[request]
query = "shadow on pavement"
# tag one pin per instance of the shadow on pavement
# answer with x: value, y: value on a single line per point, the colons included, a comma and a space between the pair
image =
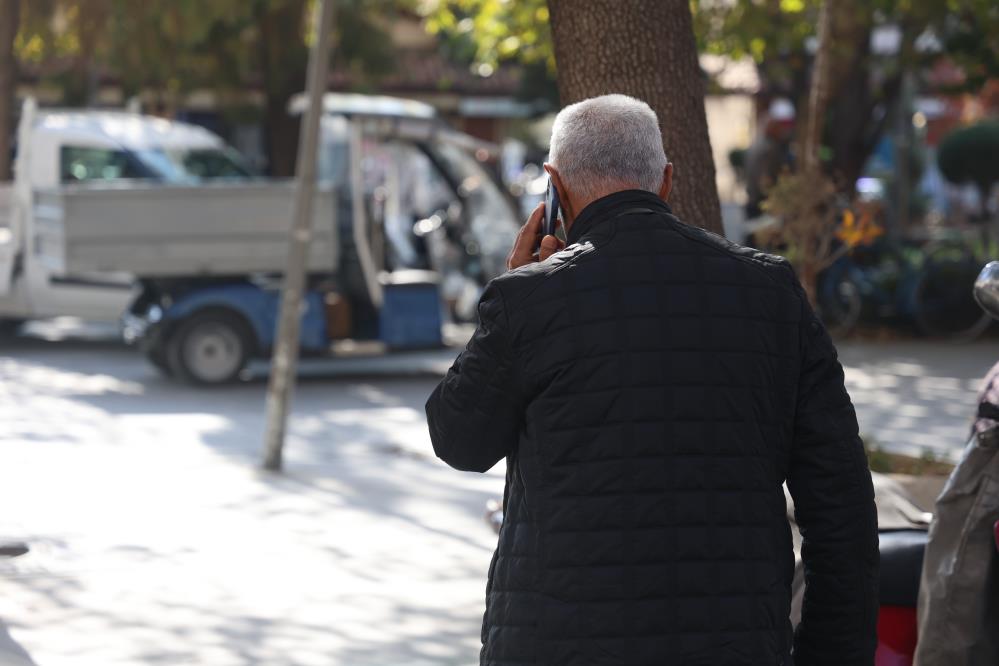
x: 156, y: 538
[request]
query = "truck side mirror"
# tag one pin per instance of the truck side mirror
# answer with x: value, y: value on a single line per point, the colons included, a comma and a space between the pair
x: 987, y: 288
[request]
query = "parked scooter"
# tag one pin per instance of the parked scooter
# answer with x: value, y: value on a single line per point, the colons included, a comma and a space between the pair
x: 902, y: 533
x: 959, y: 590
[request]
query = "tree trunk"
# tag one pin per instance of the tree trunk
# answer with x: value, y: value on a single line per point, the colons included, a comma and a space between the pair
x: 9, y: 21
x: 280, y: 135
x: 850, y: 120
x: 646, y: 49
x: 818, y: 96
x: 844, y: 31
x: 283, y: 57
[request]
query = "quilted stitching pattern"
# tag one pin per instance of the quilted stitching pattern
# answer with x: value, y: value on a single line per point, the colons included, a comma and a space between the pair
x: 652, y: 387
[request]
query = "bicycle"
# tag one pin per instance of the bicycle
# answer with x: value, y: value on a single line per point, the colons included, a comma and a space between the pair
x: 944, y: 304
x: 929, y: 287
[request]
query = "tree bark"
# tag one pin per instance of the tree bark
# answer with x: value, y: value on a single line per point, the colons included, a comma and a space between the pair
x: 851, y: 117
x: 646, y: 49
x: 281, y: 131
x: 283, y: 57
x: 844, y: 31
x: 9, y: 21
x: 818, y: 96
x: 809, y: 194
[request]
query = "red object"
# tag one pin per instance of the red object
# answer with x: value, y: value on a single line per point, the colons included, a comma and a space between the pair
x: 897, y: 627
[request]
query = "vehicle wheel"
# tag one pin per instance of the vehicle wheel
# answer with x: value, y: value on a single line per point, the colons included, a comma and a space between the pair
x: 10, y: 327
x: 840, y: 306
x: 945, y: 306
x: 158, y: 359
x: 209, y: 348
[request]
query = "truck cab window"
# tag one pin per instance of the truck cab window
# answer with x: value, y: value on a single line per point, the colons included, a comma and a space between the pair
x: 192, y: 165
x: 79, y: 164
x: 213, y: 163
x: 173, y: 165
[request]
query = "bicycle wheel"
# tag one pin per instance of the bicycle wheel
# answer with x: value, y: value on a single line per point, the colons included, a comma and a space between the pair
x: 839, y: 305
x: 945, y: 306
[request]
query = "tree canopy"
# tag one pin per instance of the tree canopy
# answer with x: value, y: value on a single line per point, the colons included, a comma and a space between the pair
x: 173, y: 47
x: 489, y: 31
x: 181, y: 45
x: 776, y: 34
x: 879, y: 45
x: 968, y: 155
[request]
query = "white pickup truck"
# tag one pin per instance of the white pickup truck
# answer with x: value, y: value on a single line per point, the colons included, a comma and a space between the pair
x: 408, y: 225
x: 70, y: 148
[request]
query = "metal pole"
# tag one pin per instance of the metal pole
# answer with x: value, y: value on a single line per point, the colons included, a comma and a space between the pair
x: 285, y: 359
x: 903, y: 148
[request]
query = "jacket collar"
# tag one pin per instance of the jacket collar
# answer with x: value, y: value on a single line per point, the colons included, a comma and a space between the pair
x: 611, y: 206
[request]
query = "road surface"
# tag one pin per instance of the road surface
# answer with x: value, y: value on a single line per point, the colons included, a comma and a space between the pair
x: 157, y: 540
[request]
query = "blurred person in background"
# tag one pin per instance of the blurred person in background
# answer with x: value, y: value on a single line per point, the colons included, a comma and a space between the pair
x: 769, y: 155
x: 651, y: 387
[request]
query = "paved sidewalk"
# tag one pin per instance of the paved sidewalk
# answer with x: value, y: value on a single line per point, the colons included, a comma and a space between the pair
x: 916, y: 397
x: 156, y: 540
x: 12, y: 654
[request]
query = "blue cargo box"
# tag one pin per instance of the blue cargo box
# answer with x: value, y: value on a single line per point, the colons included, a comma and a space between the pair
x: 411, y: 315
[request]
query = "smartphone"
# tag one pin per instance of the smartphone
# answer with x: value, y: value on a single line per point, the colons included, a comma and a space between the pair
x: 552, y: 211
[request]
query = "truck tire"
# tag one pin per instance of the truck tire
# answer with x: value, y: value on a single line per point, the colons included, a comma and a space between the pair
x: 158, y: 359
x: 10, y: 327
x: 209, y: 348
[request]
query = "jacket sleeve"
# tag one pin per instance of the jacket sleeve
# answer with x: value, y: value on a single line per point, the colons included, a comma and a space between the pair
x: 830, y: 483
x: 475, y: 413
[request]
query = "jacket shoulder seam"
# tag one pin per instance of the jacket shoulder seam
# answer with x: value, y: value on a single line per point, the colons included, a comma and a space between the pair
x: 760, y: 261
x: 580, y: 252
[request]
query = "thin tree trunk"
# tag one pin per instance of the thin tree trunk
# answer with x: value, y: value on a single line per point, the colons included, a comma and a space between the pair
x: 646, y: 49
x: 818, y: 97
x: 844, y: 31
x: 9, y: 21
x: 841, y: 24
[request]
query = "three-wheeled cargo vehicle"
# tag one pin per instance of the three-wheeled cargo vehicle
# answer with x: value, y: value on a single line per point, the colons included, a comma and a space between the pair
x: 57, y: 147
x: 408, y: 225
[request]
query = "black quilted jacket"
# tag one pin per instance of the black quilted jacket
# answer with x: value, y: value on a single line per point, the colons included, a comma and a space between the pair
x: 651, y: 387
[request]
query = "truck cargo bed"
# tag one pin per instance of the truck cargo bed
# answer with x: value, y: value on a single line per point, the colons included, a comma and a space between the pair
x: 162, y: 231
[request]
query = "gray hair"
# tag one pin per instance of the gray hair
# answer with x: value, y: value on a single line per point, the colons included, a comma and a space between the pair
x: 605, y: 141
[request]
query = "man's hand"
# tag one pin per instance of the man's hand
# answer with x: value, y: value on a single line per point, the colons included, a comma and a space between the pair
x: 527, y: 242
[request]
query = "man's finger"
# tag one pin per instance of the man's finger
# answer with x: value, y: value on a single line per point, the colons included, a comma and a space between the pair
x: 549, y: 246
x: 533, y: 225
x: 527, y: 239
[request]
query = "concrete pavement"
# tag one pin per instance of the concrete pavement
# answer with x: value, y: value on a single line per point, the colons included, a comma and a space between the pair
x: 156, y: 539
x: 914, y: 397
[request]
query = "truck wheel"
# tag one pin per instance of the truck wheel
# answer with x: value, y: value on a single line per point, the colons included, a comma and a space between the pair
x: 158, y: 359
x: 209, y: 348
x: 10, y: 327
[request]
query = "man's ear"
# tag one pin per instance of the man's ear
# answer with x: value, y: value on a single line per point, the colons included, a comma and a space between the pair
x: 667, y: 185
x: 568, y: 212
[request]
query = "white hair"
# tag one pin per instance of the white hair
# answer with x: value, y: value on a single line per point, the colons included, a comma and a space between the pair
x: 607, y: 141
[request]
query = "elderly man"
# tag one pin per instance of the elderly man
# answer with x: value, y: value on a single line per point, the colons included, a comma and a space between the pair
x: 651, y: 386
